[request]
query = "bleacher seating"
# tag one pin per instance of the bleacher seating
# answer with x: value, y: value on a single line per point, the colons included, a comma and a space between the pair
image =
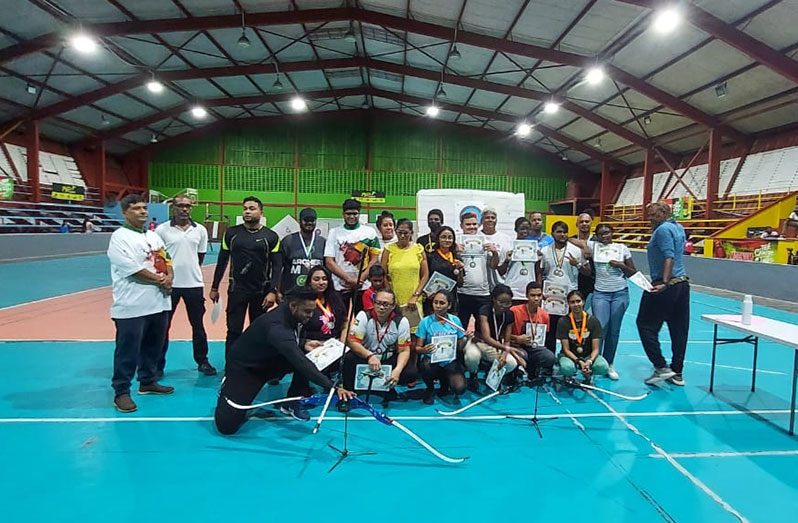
x: 28, y: 217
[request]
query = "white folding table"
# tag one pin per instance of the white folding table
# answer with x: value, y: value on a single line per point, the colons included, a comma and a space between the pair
x: 773, y: 330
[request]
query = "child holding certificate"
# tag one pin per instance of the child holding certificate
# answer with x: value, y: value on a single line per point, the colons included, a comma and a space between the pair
x: 440, y: 337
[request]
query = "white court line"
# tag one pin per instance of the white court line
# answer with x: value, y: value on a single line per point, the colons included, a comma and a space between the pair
x: 488, y: 417
x: 718, y: 365
x: 76, y: 293
x: 668, y: 342
x: 750, y: 453
x: 684, y: 472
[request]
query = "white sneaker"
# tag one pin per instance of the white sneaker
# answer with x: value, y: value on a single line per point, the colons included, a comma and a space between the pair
x: 612, y: 373
x: 659, y: 375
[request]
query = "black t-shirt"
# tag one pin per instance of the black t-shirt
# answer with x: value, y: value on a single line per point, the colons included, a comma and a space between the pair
x: 566, y: 331
x: 428, y: 242
x: 316, y: 329
x: 296, y: 262
x: 252, y: 256
x: 270, y: 340
x: 437, y: 264
x: 500, y: 321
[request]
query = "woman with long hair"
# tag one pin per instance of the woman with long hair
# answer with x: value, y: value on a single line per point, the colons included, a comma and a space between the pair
x: 580, y: 338
x: 329, y: 317
x: 445, y: 260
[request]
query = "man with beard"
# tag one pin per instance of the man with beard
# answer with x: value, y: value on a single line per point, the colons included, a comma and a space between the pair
x: 536, y: 230
x: 301, y: 251
x: 435, y: 222
x: 253, y: 251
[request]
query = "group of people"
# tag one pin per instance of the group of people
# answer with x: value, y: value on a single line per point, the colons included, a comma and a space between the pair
x: 368, y: 289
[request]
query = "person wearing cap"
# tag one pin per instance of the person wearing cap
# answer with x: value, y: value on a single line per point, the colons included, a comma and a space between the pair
x: 434, y: 222
x: 350, y: 252
x: 301, y: 251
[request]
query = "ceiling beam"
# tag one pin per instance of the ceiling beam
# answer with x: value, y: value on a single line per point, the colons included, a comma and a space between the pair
x: 380, y: 19
x: 740, y: 40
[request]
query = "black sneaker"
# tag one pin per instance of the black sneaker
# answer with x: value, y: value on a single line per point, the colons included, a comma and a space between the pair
x: 206, y: 368
x: 295, y: 410
x: 155, y: 388
x: 124, y: 403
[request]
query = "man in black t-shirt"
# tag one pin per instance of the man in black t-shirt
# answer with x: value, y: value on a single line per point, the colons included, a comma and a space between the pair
x: 268, y: 350
x: 435, y: 222
x: 253, y: 251
x: 301, y: 251
x: 580, y: 338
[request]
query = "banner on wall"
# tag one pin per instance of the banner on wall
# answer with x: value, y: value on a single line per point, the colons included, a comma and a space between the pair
x: 746, y: 250
x: 192, y: 194
x: 682, y: 207
x: 6, y: 188
x: 63, y: 191
x: 369, y: 196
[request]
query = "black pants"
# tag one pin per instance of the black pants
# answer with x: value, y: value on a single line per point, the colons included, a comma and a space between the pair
x: 671, y: 306
x: 451, y: 376
x: 139, y: 342
x: 194, y: 299
x: 238, y: 303
x: 468, y: 306
x: 351, y: 360
x: 551, y: 334
x: 242, y: 385
x: 538, y: 358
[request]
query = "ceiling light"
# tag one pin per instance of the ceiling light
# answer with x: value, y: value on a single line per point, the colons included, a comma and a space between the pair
x: 433, y: 111
x: 564, y: 158
x: 243, y: 41
x: 154, y: 86
x: 31, y: 89
x: 721, y: 90
x: 551, y: 107
x: 154, y: 139
x: 277, y: 84
x: 666, y: 20
x: 454, y: 54
x: 523, y: 130
x: 199, y: 111
x: 365, y: 104
x: 104, y: 121
x: 298, y: 104
x: 598, y: 143
x: 595, y: 75
x: 441, y: 93
x: 647, y: 120
x: 350, y: 35
x: 83, y: 43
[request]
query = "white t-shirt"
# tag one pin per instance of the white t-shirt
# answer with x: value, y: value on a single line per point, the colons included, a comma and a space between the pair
x: 554, y: 258
x: 131, y: 251
x: 347, y: 246
x: 184, y: 246
x: 475, y: 276
x: 503, y: 245
x: 609, y: 278
x: 518, y: 275
x: 382, y: 340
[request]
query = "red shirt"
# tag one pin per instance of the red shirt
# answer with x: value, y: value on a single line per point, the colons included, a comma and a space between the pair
x: 521, y: 317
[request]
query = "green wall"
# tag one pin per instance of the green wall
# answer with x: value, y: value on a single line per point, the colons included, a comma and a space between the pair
x: 299, y: 164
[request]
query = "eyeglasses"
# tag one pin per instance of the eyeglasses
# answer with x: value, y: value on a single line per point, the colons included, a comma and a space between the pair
x: 183, y: 205
x: 403, y: 233
x: 383, y: 304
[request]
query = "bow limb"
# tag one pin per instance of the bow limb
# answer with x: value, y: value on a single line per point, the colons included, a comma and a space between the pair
x: 426, y: 445
x: 260, y: 405
x: 324, y: 410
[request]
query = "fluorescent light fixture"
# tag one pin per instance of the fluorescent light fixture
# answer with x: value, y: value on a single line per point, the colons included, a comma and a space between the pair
x: 154, y: 86
x: 298, y: 104
x: 595, y: 75
x: 523, y: 130
x: 666, y: 20
x: 83, y: 43
x: 433, y: 111
x: 551, y: 107
x: 31, y: 89
x: 199, y: 111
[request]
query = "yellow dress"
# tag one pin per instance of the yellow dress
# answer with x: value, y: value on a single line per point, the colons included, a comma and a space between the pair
x: 404, y: 270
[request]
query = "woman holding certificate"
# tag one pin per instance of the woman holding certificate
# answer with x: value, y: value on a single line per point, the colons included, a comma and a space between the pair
x: 614, y: 264
x: 405, y: 264
x: 446, y: 262
x: 520, y: 265
x: 580, y: 336
x: 440, y: 337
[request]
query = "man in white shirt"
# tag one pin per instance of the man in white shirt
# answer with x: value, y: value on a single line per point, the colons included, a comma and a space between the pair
x: 502, y: 242
x: 345, y: 250
x: 141, y: 276
x: 475, y: 291
x: 187, y: 242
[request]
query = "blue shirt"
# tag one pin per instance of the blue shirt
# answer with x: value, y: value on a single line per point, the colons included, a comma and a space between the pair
x: 543, y: 240
x: 431, y: 326
x: 667, y: 241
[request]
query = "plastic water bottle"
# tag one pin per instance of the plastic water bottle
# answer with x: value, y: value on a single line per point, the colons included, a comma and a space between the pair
x: 748, y: 309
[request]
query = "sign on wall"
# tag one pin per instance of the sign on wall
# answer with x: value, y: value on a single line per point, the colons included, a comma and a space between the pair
x: 369, y: 196
x: 6, y: 188
x: 682, y: 207
x: 745, y: 250
x: 63, y: 191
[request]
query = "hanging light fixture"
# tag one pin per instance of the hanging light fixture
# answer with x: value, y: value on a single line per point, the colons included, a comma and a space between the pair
x: 523, y: 130
x: 199, y: 112
x: 83, y: 42
x: 441, y: 92
x: 243, y: 41
x: 350, y: 35
x: 433, y: 111
x: 298, y: 104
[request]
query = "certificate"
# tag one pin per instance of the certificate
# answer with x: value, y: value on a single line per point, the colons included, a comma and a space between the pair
x: 556, y: 306
x: 323, y: 356
x: 473, y: 245
x: 445, y: 348
x: 538, y: 337
x: 438, y: 282
x: 641, y: 281
x: 363, y: 375
x: 607, y: 253
x: 495, y: 375
x: 525, y: 250
x: 554, y: 290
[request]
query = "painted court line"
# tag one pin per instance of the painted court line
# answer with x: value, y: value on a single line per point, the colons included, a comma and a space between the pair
x: 718, y: 365
x: 488, y: 417
x: 43, y: 300
x: 750, y: 453
x: 684, y: 472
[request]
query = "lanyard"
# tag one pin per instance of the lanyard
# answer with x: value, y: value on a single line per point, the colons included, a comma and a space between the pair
x: 449, y: 257
x: 580, y: 334
x: 307, y: 248
x: 496, y: 330
x: 384, y: 332
x: 325, y: 311
x: 534, y: 324
x: 559, y: 263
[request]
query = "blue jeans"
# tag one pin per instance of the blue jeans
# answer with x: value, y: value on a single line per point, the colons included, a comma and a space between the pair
x: 139, y: 343
x: 609, y: 308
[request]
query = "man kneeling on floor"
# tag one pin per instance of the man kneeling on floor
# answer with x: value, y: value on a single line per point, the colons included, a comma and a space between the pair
x: 267, y: 350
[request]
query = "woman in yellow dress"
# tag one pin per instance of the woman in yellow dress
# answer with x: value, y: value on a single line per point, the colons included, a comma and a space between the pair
x: 405, y: 264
